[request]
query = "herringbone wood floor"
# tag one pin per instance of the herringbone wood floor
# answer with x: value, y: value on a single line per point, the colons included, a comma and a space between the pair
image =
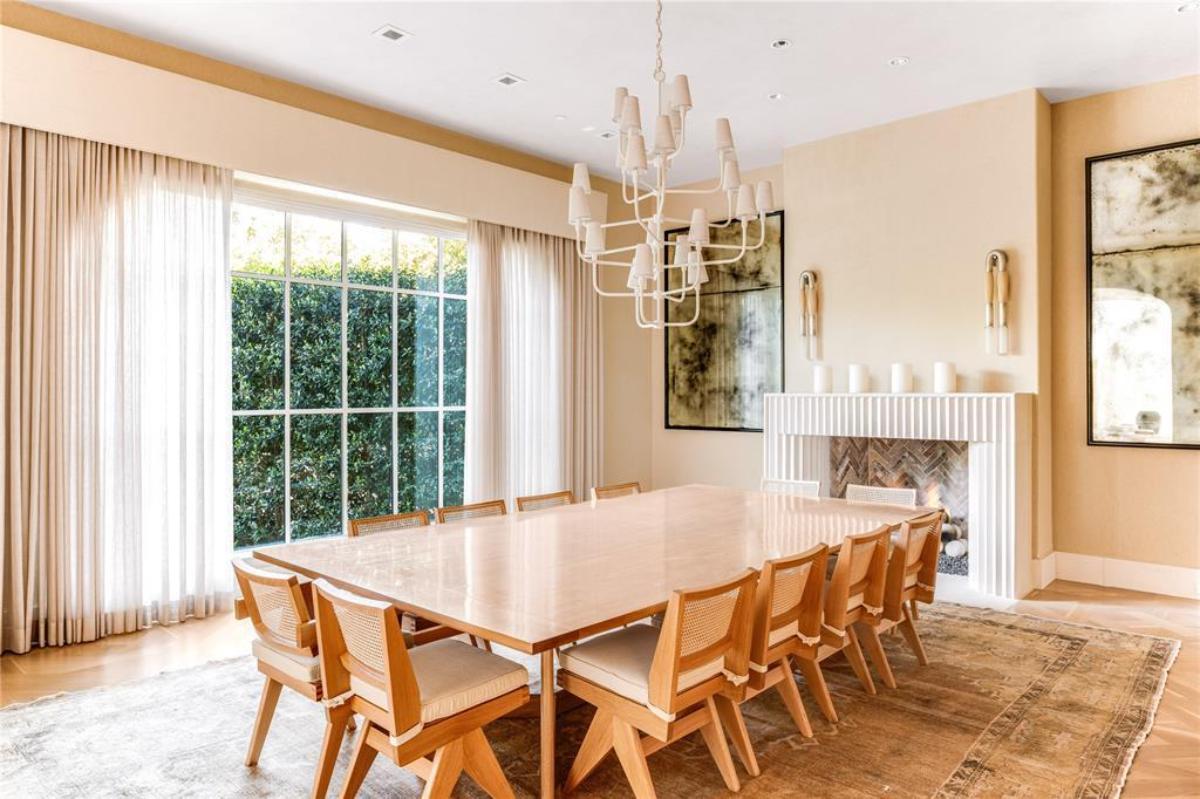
x: 1168, y: 765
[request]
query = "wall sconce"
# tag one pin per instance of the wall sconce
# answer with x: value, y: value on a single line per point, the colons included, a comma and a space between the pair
x: 995, y: 313
x: 810, y: 304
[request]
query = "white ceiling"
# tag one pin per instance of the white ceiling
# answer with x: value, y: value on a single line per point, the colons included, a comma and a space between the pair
x: 835, y: 76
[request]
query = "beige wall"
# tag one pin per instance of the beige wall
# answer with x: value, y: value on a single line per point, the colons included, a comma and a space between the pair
x: 695, y: 456
x: 1116, y: 502
x: 897, y: 220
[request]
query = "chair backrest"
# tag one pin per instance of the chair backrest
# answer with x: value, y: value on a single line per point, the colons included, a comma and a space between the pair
x: 477, y: 510
x: 616, y: 490
x: 788, y: 602
x: 276, y: 607
x: 912, y: 567
x: 701, y: 626
x: 360, y: 639
x: 384, y: 524
x: 881, y: 495
x: 856, y: 587
x: 542, y: 501
x: 799, y: 488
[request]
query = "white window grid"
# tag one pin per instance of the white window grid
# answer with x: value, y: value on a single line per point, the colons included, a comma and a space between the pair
x: 287, y: 279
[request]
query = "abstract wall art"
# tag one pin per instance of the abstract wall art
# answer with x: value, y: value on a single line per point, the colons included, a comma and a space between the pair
x: 1143, y: 273
x: 718, y: 369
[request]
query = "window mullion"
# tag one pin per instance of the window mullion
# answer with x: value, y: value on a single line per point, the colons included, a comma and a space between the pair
x: 287, y: 378
x: 441, y: 467
x: 345, y: 389
x: 392, y: 344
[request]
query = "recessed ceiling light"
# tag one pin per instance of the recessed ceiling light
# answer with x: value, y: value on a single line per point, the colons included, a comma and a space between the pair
x: 899, y: 61
x: 1192, y: 6
x: 393, y: 34
x: 775, y: 96
x: 508, y: 79
x: 560, y: 117
x: 588, y: 128
x: 607, y: 134
x: 781, y: 44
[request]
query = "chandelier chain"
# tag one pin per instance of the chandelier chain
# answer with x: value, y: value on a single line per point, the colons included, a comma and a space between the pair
x: 659, y: 75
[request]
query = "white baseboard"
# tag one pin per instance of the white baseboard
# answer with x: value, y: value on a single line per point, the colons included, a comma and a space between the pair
x: 1154, y: 578
x: 1044, y: 570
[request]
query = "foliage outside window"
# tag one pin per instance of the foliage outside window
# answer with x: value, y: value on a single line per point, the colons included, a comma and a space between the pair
x: 349, y: 372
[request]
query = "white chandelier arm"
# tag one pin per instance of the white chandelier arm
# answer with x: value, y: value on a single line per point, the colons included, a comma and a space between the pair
x: 728, y: 213
x: 602, y: 292
x: 695, y: 314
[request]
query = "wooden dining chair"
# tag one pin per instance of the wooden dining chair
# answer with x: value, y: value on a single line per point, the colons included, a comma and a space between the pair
x: 881, y: 495
x: 854, y: 590
x: 417, y: 631
x: 799, y: 488
x: 425, y: 708
x: 385, y: 524
x: 787, y: 621
x: 278, y: 605
x: 651, y: 687
x: 543, y: 501
x: 616, y: 490
x: 477, y: 510
x: 911, y: 574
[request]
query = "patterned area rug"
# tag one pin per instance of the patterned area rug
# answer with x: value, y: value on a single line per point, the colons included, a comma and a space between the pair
x: 1010, y: 706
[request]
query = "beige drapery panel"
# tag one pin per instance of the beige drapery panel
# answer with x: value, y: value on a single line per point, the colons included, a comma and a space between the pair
x: 115, y: 486
x: 533, y: 366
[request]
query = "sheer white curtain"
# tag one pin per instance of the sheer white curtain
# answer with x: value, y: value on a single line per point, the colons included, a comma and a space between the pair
x: 533, y: 366
x: 117, y: 487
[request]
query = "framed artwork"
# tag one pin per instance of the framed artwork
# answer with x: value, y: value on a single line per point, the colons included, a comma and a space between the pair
x: 1143, y: 297
x: 718, y: 369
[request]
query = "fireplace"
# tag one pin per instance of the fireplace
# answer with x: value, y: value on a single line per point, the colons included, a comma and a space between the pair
x: 998, y: 433
x: 937, y: 470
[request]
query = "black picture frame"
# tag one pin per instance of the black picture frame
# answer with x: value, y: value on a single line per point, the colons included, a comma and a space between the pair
x: 667, y: 425
x: 1088, y: 258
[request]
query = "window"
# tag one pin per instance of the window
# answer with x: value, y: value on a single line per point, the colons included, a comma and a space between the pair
x: 349, y: 370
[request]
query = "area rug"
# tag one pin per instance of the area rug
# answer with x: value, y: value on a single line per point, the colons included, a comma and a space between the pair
x: 1009, y: 705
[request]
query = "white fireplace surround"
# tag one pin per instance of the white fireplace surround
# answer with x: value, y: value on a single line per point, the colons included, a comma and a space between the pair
x: 998, y: 429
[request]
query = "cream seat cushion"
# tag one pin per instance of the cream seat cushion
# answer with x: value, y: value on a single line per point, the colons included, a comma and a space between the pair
x: 620, y: 661
x: 300, y: 667
x: 452, y: 676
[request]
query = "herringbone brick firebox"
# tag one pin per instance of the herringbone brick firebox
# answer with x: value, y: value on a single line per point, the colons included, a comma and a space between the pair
x: 937, y: 469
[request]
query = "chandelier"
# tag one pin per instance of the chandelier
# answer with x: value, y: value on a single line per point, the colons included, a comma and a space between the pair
x: 660, y: 270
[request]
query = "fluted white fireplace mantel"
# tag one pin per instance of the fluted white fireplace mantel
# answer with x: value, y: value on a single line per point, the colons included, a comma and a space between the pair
x: 998, y: 429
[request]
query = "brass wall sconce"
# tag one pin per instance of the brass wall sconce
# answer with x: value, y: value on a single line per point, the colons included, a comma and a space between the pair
x: 995, y: 313
x: 810, y: 304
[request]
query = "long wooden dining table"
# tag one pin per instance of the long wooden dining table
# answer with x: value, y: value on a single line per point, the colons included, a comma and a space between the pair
x: 536, y: 581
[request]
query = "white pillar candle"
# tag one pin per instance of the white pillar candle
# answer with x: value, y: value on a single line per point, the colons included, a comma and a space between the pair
x: 822, y: 378
x: 859, y: 378
x: 902, y: 378
x: 945, y: 380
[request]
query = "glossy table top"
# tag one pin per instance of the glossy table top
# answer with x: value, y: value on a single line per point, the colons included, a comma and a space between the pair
x: 537, y: 580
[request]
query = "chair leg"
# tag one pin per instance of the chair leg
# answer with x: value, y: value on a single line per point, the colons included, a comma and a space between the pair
x: 714, y: 736
x: 816, y: 684
x: 447, y: 766
x: 262, y: 722
x: 914, y: 640
x: 734, y: 723
x: 628, y: 743
x: 480, y: 762
x: 597, y: 743
x: 360, y: 763
x: 854, y: 654
x: 878, y: 656
x: 791, y: 699
x: 336, y: 721
x: 912, y: 608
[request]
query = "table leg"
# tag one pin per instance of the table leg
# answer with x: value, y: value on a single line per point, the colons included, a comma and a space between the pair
x: 548, y: 725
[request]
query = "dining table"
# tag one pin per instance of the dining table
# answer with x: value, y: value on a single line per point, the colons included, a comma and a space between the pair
x: 539, y: 580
